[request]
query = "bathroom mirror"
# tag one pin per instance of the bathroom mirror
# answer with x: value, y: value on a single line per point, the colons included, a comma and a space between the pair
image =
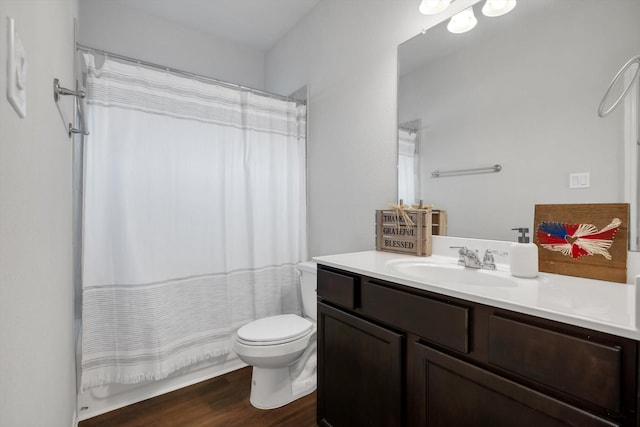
x: 521, y: 91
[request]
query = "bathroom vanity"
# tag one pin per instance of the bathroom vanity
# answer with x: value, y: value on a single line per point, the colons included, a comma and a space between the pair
x: 398, y: 348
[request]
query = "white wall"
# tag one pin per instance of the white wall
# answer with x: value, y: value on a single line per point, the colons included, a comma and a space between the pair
x: 37, y: 368
x: 119, y: 29
x: 347, y: 52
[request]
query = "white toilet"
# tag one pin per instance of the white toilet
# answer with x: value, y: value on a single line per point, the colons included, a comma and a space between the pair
x: 282, y: 349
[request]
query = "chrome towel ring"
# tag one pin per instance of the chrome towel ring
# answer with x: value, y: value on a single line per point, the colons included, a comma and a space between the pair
x: 601, y: 111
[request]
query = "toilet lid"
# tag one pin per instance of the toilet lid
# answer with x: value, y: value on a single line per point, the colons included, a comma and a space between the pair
x: 275, y: 328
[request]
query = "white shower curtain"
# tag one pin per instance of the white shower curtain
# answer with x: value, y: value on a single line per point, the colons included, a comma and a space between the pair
x: 408, y: 183
x: 194, y: 219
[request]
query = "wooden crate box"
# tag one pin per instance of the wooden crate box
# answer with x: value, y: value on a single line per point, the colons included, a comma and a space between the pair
x: 393, y: 234
x: 439, y: 222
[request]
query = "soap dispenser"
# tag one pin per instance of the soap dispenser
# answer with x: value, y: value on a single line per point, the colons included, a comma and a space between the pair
x: 523, y: 256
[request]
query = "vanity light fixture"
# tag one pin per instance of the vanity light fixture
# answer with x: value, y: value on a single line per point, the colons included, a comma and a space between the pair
x: 494, y: 8
x: 431, y: 7
x: 462, y: 22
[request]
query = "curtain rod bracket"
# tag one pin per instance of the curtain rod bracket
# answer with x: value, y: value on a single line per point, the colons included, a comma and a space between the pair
x: 73, y: 131
x: 59, y: 90
x: 78, y: 94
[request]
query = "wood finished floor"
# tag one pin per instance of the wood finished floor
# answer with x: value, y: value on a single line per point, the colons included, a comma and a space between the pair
x: 221, y: 401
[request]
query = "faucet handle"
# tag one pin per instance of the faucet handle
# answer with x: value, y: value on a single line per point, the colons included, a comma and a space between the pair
x: 488, y: 261
x: 462, y: 251
x: 490, y: 252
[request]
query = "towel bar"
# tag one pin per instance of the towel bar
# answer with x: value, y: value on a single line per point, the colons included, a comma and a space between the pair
x: 471, y: 171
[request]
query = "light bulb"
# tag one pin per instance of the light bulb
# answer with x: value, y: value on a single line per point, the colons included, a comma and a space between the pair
x: 494, y: 8
x: 462, y: 22
x: 431, y: 7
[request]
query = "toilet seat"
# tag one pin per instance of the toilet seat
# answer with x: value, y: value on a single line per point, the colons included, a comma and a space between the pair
x: 274, y: 330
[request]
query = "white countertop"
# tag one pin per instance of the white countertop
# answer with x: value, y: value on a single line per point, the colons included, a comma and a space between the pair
x: 594, y: 304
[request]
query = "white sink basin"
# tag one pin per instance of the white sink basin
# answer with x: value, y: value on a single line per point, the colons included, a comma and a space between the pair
x: 447, y: 272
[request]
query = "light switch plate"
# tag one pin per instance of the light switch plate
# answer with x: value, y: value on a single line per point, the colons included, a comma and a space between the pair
x: 579, y: 180
x: 16, y: 71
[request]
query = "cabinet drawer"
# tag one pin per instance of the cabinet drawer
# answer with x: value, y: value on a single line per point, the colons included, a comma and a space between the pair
x: 456, y: 393
x: 337, y: 288
x: 582, y: 368
x: 439, y: 322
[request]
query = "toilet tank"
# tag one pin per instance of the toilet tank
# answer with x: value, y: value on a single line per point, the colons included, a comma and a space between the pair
x: 308, y: 285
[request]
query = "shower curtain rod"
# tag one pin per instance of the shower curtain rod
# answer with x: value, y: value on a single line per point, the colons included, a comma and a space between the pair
x: 188, y: 74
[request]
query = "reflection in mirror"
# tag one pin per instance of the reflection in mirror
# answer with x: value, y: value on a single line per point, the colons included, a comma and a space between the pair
x: 408, y: 164
x: 521, y: 90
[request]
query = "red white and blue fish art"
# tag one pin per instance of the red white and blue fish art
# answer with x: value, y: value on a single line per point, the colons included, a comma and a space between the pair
x: 576, y: 240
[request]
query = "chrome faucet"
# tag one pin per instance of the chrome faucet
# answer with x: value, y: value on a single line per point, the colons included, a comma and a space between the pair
x: 467, y: 257
x: 470, y: 258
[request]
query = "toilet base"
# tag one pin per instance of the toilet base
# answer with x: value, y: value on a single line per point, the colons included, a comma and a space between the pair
x: 272, y: 388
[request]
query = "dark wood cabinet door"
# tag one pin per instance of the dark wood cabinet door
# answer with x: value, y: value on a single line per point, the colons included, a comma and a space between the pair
x: 450, y: 392
x: 589, y: 370
x: 359, y: 372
